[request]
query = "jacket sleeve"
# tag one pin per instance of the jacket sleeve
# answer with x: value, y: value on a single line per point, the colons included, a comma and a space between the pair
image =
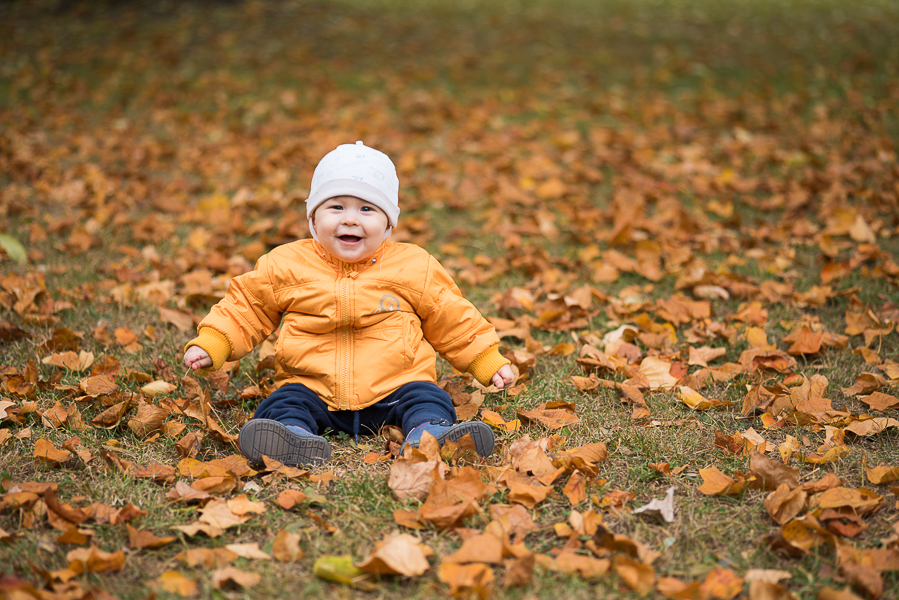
x: 246, y: 316
x: 456, y: 329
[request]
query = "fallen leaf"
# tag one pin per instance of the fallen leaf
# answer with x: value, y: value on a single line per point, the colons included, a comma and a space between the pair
x: 175, y: 582
x: 467, y: 580
x: 249, y: 550
x: 881, y: 474
x: 784, y: 503
x: 158, y: 388
x: 636, y: 575
x: 286, y: 547
x: 722, y: 584
x: 879, y: 401
x: 290, y: 498
x: 716, y: 483
x: 663, y: 509
x: 480, y: 548
x: 575, y: 490
x: 50, y: 454
x: 148, y: 419
x: 94, y: 560
x: 340, y: 569
x: 230, y: 577
x: 145, y: 539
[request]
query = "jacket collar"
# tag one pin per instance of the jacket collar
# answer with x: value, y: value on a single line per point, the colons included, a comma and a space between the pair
x: 338, y: 265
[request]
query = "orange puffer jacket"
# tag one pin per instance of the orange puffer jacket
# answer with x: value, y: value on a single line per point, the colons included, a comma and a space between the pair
x: 352, y: 333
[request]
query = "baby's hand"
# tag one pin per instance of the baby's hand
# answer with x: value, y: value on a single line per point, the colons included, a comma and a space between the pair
x: 197, y: 358
x: 503, y: 377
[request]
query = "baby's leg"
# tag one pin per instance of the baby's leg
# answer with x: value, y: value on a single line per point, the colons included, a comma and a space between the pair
x: 284, y: 428
x: 422, y: 406
x: 415, y: 403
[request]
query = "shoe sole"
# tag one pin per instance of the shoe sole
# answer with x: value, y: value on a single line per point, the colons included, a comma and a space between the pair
x: 481, y: 435
x: 276, y: 441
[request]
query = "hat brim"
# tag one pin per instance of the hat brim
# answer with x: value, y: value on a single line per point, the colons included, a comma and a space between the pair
x: 358, y: 189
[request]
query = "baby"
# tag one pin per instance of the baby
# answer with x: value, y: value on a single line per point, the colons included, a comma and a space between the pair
x: 361, y: 319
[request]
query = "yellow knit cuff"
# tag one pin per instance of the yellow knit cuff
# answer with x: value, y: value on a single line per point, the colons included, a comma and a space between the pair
x: 487, y: 363
x: 215, y: 344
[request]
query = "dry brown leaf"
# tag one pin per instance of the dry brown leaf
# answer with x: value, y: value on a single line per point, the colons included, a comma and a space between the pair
x: 175, y: 582
x: 94, y: 560
x: 494, y: 419
x: 716, y: 483
x: 636, y: 575
x: 770, y: 474
x: 576, y: 488
x: 209, y: 558
x: 249, y: 550
x: 880, y: 401
x: 158, y: 388
x: 50, y: 454
x: 148, y: 419
x: 286, y: 547
x: 881, y: 474
x: 232, y: 578
x: 397, y: 554
x: 290, y: 498
x: 569, y: 563
x: 145, y: 539
x: 467, y: 581
x: 722, y: 584
x: 785, y: 503
x: 661, y: 508
x: 479, y: 548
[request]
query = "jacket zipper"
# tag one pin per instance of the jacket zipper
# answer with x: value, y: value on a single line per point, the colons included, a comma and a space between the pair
x: 345, y: 341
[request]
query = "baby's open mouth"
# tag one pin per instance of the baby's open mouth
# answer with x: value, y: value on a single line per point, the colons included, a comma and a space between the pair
x: 351, y: 239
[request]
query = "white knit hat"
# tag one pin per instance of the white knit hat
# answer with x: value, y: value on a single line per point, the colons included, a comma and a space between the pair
x: 356, y: 170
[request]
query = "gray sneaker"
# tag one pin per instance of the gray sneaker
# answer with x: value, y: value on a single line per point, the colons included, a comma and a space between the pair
x: 292, y: 446
x: 443, y: 430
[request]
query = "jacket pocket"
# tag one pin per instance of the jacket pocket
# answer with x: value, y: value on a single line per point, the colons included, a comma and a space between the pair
x: 302, y: 353
x: 412, y: 337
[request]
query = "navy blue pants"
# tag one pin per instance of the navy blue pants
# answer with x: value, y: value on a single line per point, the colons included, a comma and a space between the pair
x: 407, y: 407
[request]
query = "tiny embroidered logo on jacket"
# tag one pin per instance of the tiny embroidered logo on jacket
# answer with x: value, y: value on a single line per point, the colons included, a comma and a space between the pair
x: 389, y: 303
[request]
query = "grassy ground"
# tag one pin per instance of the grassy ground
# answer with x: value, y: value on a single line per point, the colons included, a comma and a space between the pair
x: 150, y: 152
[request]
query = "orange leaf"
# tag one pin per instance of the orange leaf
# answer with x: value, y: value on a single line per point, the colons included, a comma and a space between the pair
x: 467, y: 580
x: 50, y: 454
x: 232, y: 577
x: 145, y: 539
x: 397, y: 554
x: 94, y: 560
x: 175, y: 582
x: 880, y: 401
x: 290, y: 498
x: 575, y: 490
x: 882, y: 474
x: 286, y: 547
x: 716, y: 483
x: 569, y: 563
x: 480, y: 548
x: 636, y: 575
x: 495, y: 420
x: 553, y: 418
x: 722, y: 584
x: 248, y: 550
x: 784, y: 503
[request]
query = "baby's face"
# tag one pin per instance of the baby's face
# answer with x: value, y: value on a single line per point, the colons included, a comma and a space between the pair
x: 349, y: 228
